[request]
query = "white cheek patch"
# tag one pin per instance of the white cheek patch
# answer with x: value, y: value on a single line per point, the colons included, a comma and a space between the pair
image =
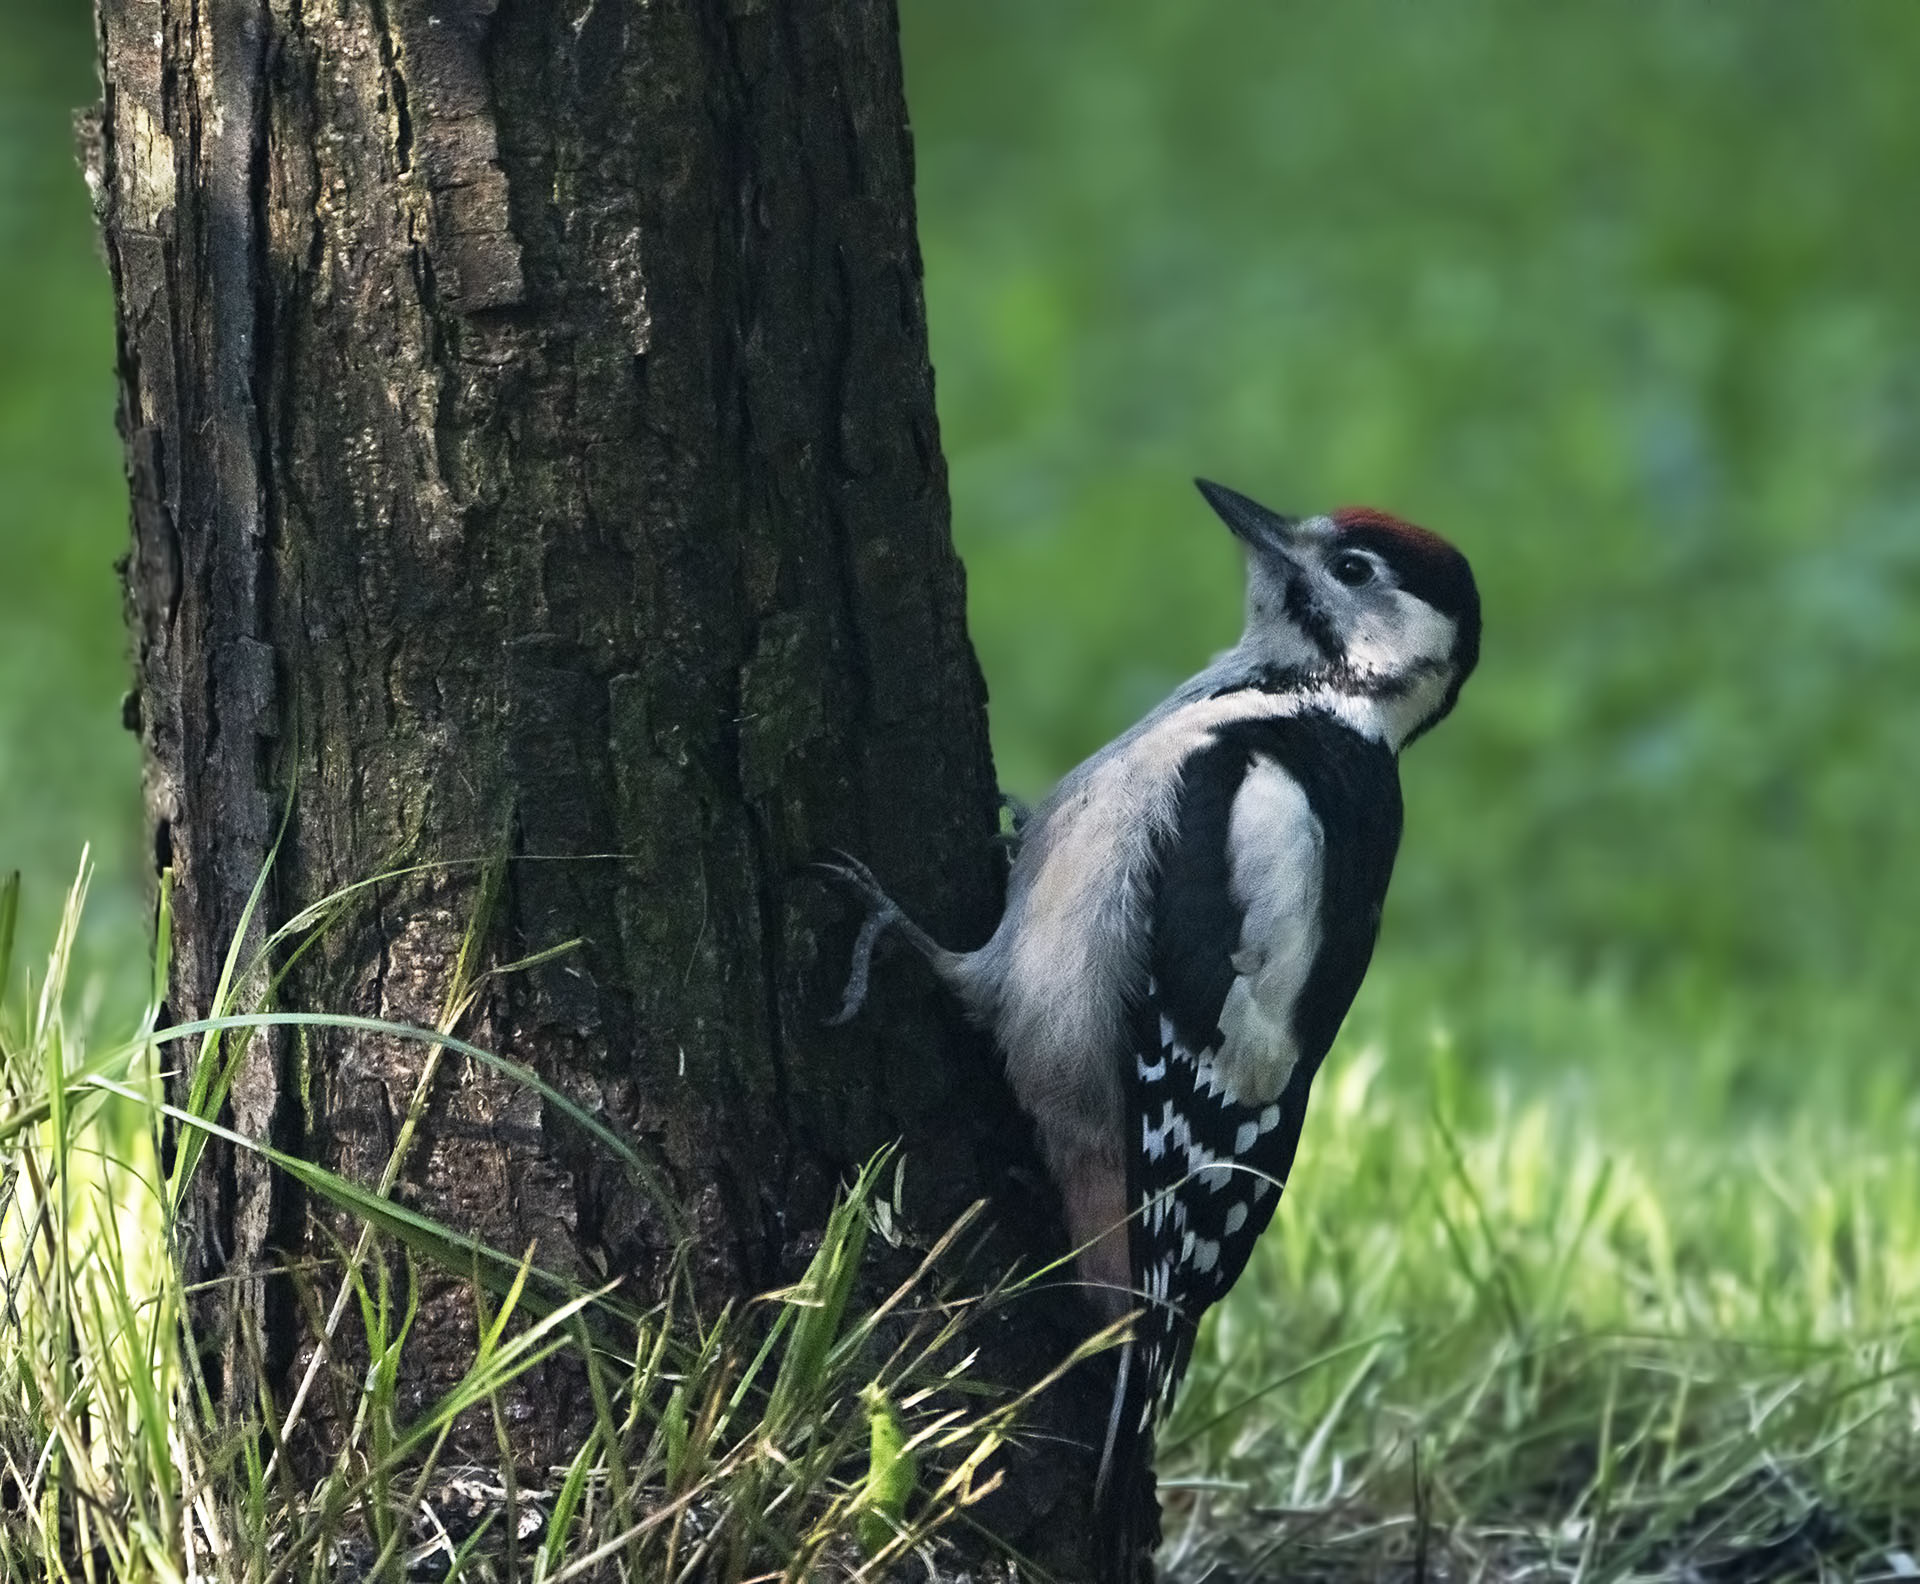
x: 1399, y: 635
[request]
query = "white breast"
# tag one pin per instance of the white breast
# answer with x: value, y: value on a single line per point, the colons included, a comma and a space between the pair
x: 1275, y: 849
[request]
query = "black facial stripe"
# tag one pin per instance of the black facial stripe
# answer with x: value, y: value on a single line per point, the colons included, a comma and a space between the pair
x: 1304, y: 611
x: 1339, y: 677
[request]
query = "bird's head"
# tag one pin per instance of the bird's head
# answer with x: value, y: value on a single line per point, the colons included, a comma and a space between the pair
x: 1360, y: 603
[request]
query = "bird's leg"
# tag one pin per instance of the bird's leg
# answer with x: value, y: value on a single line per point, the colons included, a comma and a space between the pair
x: 857, y: 880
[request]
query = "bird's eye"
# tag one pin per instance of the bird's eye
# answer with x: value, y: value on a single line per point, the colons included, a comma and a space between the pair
x: 1352, y: 569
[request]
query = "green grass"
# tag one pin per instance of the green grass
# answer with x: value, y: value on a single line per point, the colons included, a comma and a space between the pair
x: 1618, y: 1340
x: 800, y: 1435
x: 1522, y: 1330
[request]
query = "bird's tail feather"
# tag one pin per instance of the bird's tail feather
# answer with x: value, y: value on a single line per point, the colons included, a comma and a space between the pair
x: 1125, y: 1507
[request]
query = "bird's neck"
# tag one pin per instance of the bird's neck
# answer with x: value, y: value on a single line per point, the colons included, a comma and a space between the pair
x: 1390, y: 709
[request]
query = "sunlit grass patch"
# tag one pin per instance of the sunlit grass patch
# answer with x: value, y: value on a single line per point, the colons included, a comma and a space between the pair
x: 1567, y: 1337
x: 806, y: 1433
x: 88, y: 1364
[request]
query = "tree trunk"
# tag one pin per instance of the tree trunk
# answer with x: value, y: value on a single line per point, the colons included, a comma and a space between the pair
x: 532, y: 449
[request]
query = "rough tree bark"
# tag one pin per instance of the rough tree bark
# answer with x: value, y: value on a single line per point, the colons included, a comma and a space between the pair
x: 531, y: 442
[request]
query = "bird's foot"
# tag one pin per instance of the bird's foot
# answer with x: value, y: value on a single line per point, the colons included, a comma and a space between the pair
x: 857, y: 880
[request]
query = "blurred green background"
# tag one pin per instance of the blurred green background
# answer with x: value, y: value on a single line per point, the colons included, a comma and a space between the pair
x: 1622, y: 299
x: 69, y: 774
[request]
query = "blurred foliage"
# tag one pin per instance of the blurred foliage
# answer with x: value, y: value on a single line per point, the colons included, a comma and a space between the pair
x: 1622, y: 299
x: 69, y: 774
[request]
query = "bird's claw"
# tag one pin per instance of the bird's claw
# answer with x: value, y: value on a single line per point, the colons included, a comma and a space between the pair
x: 857, y: 879
x: 853, y: 877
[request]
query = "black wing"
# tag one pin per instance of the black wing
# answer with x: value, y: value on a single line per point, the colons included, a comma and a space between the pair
x: 1208, y: 1170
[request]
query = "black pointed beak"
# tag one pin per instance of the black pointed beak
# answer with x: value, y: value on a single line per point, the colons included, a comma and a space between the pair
x: 1252, y: 523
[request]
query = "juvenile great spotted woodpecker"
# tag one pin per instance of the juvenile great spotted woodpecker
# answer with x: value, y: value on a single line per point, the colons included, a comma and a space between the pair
x: 1188, y: 919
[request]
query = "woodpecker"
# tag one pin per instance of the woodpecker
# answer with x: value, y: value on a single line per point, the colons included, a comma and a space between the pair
x: 1189, y: 916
